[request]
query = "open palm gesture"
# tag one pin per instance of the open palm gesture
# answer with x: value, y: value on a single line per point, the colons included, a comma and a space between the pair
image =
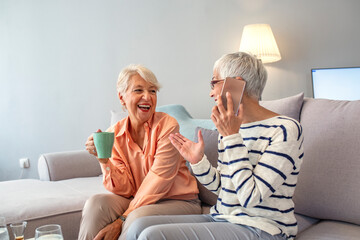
x: 191, y: 151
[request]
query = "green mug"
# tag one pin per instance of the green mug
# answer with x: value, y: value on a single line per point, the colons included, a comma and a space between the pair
x: 104, y: 142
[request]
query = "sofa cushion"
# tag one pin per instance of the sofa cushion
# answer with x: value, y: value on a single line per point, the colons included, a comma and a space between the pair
x: 66, y: 165
x: 45, y: 198
x: 187, y: 123
x: 290, y: 106
x: 330, y: 230
x: 210, y: 139
x: 328, y: 184
x: 304, y: 222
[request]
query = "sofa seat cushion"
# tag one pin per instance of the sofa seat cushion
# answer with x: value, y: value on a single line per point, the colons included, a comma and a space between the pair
x: 331, y: 230
x: 29, y: 199
x: 328, y: 183
x: 304, y: 222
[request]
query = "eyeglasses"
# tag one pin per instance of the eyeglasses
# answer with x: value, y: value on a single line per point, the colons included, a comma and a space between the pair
x: 215, y: 81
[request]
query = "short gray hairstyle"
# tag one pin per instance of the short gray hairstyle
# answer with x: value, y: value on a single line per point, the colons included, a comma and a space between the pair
x: 246, y: 66
x: 131, y: 70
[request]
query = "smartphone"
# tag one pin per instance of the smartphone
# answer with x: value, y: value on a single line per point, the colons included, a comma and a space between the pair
x: 236, y: 88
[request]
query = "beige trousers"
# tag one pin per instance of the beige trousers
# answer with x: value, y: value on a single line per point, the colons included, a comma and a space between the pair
x: 102, y: 209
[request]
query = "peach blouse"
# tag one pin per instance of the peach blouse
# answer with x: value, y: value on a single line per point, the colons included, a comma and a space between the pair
x: 155, y: 172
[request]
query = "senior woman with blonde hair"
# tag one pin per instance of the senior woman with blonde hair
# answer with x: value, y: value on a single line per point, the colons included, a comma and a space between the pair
x: 260, y: 153
x: 146, y: 174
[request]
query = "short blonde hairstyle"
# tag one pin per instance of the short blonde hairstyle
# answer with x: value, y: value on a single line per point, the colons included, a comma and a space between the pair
x: 131, y: 70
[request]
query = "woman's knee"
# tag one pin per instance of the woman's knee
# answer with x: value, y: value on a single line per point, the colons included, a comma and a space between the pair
x: 138, y: 226
x: 151, y: 232
x: 96, y: 204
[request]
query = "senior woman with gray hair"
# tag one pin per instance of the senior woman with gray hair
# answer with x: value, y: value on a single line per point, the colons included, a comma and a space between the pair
x: 146, y: 174
x: 260, y: 153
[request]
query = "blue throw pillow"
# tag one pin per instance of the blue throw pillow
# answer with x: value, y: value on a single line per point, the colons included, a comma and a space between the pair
x: 187, y: 123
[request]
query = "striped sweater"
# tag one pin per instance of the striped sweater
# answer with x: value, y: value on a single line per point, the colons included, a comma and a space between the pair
x: 256, y: 175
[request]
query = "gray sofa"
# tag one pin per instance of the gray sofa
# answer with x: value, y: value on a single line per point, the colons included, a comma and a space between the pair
x: 325, y: 198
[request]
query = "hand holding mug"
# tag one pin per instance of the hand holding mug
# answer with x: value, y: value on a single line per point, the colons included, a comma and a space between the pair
x: 103, y: 142
x: 90, y: 146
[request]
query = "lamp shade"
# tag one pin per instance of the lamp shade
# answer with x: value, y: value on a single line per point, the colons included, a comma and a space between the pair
x: 259, y: 40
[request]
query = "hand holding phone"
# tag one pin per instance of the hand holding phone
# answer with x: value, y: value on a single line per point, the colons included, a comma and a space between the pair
x: 236, y: 88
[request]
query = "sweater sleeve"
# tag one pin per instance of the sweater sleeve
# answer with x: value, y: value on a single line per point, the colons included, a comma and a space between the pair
x: 207, y: 175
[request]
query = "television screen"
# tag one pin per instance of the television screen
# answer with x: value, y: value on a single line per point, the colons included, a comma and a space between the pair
x: 336, y: 83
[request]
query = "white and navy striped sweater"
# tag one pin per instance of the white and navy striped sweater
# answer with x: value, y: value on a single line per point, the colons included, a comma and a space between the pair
x: 256, y: 175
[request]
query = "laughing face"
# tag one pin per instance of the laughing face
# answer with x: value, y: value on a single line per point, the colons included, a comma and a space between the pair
x: 139, y: 99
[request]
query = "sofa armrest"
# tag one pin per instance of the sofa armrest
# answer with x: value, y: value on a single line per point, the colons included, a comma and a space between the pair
x: 65, y: 165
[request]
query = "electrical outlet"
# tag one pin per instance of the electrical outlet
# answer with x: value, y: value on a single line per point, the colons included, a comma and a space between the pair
x: 24, y: 162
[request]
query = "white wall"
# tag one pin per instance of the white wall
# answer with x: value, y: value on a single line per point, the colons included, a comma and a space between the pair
x: 59, y: 60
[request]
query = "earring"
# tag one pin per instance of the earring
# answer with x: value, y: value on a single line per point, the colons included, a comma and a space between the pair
x: 123, y: 106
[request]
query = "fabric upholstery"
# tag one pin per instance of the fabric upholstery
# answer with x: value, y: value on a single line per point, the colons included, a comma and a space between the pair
x: 41, y: 199
x: 330, y: 230
x: 210, y: 139
x: 328, y: 183
x: 66, y: 165
x: 290, y: 106
x: 187, y: 123
x: 304, y: 222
